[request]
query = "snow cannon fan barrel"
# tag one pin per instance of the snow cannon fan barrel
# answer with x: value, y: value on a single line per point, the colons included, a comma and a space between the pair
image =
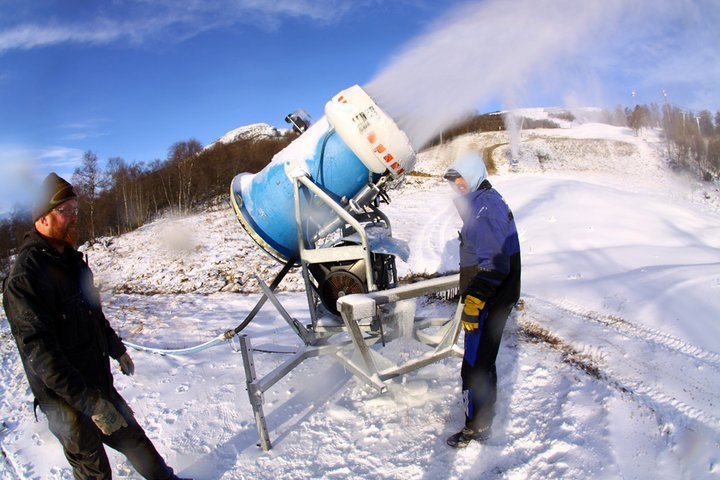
x: 354, y: 142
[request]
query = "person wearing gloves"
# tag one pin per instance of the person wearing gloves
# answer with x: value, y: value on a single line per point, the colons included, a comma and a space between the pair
x: 65, y: 343
x: 489, y: 288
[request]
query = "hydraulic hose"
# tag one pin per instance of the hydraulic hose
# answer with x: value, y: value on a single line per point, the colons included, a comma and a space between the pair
x: 227, y: 335
x: 180, y: 351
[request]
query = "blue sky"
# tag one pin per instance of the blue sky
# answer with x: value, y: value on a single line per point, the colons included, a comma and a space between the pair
x: 128, y: 78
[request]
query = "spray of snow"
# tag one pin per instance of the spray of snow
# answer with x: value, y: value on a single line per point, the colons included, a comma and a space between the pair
x: 513, y: 125
x: 492, y: 50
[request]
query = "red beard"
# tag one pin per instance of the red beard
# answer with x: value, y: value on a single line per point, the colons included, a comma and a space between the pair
x: 71, y: 236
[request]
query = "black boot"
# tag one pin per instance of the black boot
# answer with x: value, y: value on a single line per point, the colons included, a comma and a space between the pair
x: 464, y: 437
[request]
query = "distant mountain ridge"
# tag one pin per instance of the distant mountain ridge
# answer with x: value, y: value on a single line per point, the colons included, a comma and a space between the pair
x: 255, y: 131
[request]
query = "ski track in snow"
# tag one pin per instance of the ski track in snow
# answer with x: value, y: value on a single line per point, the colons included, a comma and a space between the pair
x: 639, y: 361
x: 621, y: 393
x: 635, y: 330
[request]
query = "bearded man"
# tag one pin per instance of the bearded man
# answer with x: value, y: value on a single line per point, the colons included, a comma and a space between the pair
x: 65, y: 343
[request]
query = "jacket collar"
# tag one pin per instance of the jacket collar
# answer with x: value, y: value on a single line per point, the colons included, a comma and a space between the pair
x: 485, y: 185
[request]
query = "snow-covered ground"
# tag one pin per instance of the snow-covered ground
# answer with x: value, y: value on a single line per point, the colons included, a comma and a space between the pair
x: 611, y: 369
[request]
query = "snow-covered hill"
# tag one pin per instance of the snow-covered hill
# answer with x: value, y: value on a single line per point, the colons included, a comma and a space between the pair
x: 611, y: 370
x: 209, y: 252
x: 256, y: 131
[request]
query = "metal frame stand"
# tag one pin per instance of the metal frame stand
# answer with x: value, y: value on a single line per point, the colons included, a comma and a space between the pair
x: 375, y: 368
x: 311, y: 255
x: 256, y: 395
x: 358, y: 311
x: 366, y: 318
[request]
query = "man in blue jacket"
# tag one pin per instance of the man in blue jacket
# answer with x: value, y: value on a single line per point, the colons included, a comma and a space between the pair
x: 489, y: 285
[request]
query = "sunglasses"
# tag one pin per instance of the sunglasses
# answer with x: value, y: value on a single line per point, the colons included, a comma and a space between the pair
x: 67, y: 211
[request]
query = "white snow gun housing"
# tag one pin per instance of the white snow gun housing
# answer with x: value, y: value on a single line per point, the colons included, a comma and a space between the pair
x: 316, y: 205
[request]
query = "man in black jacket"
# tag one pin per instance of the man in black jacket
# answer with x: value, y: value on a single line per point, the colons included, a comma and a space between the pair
x: 65, y: 343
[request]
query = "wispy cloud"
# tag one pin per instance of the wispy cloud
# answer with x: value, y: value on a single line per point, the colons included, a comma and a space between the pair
x: 28, y: 36
x: 15, y: 159
x: 59, y: 157
x: 83, y: 130
x: 84, y: 135
x: 137, y: 21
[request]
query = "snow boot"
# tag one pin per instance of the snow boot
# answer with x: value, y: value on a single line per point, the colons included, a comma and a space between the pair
x: 464, y: 437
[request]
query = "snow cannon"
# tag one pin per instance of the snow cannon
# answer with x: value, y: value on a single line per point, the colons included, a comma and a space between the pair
x: 344, y: 153
x: 331, y: 179
x: 317, y: 204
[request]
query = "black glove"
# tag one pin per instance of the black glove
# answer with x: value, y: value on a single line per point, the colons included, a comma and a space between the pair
x: 126, y: 364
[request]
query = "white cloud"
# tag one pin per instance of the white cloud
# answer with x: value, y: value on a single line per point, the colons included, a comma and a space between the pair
x: 83, y: 130
x: 58, y: 157
x: 139, y: 20
x: 15, y: 161
x: 28, y: 36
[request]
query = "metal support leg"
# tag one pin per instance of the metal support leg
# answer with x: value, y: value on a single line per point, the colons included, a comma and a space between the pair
x: 307, y: 337
x: 368, y: 371
x: 255, y: 394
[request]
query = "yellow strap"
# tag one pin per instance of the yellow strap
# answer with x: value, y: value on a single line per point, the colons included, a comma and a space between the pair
x: 470, y: 326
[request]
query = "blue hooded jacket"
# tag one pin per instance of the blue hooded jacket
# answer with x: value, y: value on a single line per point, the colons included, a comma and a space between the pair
x: 489, y: 243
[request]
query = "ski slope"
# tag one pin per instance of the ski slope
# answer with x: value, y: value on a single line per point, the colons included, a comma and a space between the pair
x: 611, y: 368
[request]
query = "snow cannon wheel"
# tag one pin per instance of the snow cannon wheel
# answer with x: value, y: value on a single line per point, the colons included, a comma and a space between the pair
x: 338, y: 284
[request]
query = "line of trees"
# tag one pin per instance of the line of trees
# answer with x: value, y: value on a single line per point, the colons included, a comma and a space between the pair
x: 123, y: 196
x: 692, y: 139
x: 489, y: 122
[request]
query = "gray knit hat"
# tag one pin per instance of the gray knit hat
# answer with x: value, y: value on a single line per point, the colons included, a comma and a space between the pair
x: 53, y: 191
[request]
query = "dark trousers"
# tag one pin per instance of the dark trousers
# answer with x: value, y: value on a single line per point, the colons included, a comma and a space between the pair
x: 83, y: 443
x: 479, y: 374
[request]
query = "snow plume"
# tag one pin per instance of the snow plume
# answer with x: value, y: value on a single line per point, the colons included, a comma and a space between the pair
x: 477, y: 52
x: 513, y: 125
x: 492, y: 50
